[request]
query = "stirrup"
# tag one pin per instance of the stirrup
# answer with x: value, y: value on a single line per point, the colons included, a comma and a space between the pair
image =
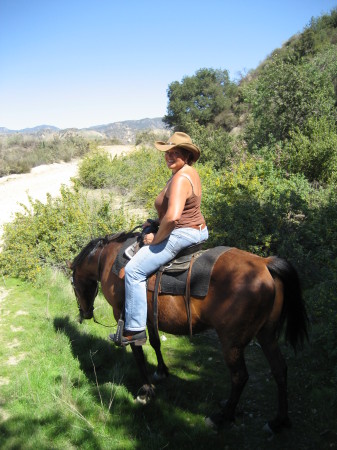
x: 117, y: 337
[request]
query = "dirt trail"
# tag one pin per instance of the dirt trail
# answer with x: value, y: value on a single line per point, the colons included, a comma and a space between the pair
x: 15, y: 189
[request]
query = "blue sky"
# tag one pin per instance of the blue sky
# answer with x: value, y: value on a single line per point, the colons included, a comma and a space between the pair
x: 79, y: 63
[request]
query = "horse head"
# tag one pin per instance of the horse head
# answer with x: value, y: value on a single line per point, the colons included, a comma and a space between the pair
x: 85, y: 292
x: 85, y: 277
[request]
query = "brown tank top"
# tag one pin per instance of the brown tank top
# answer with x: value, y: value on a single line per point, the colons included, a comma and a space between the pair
x: 191, y: 215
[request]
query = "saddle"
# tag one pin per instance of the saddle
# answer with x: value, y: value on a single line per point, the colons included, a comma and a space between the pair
x: 188, y: 274
x: 181, y: 263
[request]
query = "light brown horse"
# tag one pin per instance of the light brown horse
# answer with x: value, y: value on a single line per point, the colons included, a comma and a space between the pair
x: 248, y: 297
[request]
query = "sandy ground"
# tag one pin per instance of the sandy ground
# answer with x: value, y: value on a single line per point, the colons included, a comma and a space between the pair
x: 15, y: 189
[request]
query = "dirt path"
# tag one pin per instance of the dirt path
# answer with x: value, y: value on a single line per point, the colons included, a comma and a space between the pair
x: 15, y: 189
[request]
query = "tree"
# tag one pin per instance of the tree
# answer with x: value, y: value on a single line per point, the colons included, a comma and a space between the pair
x: 201, y: 98
x: 286, y: 95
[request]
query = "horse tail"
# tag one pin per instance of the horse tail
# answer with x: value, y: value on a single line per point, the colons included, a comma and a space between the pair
x: 294, y: 311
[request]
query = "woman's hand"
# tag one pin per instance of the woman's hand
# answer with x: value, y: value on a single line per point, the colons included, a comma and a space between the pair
x: 148, y: 238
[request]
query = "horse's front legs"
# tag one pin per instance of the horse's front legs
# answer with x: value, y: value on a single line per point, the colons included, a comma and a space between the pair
x: 162, y: 371
x: 146, y: 392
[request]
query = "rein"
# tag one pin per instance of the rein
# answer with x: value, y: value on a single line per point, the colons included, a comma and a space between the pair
x: 90, y: 310
x: 102, y: 324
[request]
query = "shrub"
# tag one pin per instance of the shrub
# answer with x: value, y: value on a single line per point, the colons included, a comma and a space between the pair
x: 54, y: 232
x: 216, y: 145
x: 95, y: 170
x: 312, y: 152
x: 130, y: 173
x: 19, y: 153
x: 286, y: 95
x: 148, y: 137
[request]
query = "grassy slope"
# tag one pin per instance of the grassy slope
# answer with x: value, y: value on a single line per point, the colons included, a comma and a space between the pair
x: 63, y: 385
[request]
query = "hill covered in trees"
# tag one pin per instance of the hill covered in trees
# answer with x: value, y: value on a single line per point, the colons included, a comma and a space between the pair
x: 285, y: 108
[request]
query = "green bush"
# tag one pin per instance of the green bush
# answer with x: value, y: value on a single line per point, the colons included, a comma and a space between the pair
x: 313, y: 151
x: 54, y: 232
x: 148, y: 137
x: 125, y: 173
x: 216, y: 145
x: 95, y: 170
x: 287, y: 95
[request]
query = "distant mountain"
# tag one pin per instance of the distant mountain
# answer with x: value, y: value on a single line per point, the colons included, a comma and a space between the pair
x: 34, y: 130
x: 4, y: 130
x: 125, y: 131
x: 39, y: 129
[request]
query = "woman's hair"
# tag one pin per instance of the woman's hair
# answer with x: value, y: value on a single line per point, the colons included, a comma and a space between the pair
x: 188, y: 155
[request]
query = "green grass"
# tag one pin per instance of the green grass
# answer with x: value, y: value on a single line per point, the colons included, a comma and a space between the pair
x: 64, y: 386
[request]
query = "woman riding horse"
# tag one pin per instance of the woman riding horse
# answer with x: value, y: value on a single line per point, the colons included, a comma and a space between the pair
x: 247, y: 296
x: 181, y: 224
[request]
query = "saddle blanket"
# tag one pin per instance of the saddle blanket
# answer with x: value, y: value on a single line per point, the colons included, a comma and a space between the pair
x: 174, y: 283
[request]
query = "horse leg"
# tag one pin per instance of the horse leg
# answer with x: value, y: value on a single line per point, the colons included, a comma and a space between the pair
x: 278, y: 367
x: 234, y: 359
x: 162, y: 371
x: 146, y: 392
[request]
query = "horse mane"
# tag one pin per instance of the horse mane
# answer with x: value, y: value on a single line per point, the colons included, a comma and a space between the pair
x: 90, y: 249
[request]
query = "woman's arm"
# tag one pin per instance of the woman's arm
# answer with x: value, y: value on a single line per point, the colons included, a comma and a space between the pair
x: 179, y: 190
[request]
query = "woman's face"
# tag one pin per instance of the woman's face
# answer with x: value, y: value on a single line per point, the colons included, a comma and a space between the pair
x: 175, y: 159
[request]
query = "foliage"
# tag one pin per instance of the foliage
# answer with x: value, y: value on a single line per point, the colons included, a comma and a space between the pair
x: 320, y: 33
x: 126, y: 173
x: 54, y: 232
x: 148, y: 137
x: 201, y: 98
x: 95, y: 169
x: 313, y: 151
x: 287, y: 95
x: 217, y: 146
x: 19, y: 153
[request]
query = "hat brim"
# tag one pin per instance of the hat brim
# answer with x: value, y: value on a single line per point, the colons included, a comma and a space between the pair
x: 164, y: 147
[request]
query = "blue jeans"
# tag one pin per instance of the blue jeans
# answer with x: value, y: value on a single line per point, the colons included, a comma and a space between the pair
x: 147, y: 261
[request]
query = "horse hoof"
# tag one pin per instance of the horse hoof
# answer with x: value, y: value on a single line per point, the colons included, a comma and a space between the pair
x: 223, y: 404
x: 143, y: 399
x: 157, y: 377
x: 267, y: 429
x: 215, y: 420
x: 275, y: 426
x: 210, y: 424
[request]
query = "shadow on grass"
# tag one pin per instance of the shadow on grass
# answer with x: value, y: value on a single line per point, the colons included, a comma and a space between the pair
x: 102, y: 362
x: 198, y: 380
x: 22, y: 431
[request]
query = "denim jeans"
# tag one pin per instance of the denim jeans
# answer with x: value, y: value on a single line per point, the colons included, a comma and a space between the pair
x: 147, y: 261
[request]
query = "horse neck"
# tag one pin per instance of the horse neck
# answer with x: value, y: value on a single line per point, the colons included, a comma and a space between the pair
x: 90, y: 267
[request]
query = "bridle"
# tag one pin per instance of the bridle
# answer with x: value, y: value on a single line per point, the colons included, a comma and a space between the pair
x: 90, y: 311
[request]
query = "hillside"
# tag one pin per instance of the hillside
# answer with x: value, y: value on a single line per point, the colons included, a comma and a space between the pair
x: 125, y: 132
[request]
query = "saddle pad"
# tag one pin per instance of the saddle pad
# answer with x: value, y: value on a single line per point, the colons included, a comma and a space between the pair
x: 121, y: 260
x: 175, y: 283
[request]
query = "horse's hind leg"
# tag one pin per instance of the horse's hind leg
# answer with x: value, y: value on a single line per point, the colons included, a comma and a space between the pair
x: 234, y: 358
x: 278, y: 367
x: 162, y: 370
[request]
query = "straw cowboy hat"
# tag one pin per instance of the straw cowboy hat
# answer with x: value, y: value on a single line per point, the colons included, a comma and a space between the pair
x: 181, y: 140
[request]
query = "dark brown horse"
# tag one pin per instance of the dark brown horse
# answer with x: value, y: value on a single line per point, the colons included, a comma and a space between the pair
x: 248, y: 297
